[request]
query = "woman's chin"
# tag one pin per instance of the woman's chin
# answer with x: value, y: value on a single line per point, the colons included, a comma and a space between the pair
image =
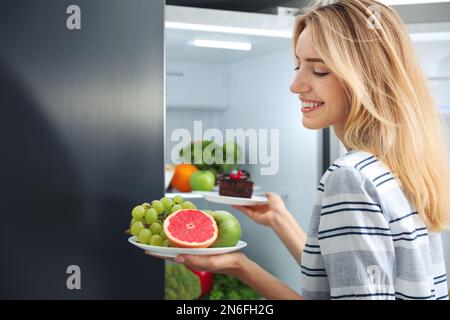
x: 311, y: 124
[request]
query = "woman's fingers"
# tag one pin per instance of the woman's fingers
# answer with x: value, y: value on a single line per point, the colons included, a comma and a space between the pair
x: 272, y: 195
x: 254, y: 212
x: 240, y: 208
x: 244, y: 209
x: 260, y: 208
x: 197, y: 262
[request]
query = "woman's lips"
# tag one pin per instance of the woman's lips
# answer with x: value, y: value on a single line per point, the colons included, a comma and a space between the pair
x: 311, y: 109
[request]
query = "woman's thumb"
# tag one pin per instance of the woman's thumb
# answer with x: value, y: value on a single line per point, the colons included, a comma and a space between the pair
x: 270, y: 195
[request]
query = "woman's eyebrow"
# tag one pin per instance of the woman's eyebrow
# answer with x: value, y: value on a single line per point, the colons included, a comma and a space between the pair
x: 311, y: 59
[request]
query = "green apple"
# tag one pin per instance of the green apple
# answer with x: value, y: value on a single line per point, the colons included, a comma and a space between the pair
x: 229, y: 229
x: 202, y: 181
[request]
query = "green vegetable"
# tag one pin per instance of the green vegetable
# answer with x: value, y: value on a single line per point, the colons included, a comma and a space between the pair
x: 231, y: 288
x: 229, y: 150
x: 181, y: 283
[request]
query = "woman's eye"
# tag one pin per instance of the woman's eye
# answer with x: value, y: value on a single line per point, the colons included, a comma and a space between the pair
x: 320, y: 74
x: 297, y: 68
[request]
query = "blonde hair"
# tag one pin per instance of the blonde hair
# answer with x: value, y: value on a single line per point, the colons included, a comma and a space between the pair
x: 392, y: 113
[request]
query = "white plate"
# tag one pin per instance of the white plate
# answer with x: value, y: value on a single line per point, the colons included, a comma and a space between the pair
x: 217, y: 198
x: 170, y: 252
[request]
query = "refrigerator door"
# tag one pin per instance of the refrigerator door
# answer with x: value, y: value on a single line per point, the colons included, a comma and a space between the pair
x: 82, y: 131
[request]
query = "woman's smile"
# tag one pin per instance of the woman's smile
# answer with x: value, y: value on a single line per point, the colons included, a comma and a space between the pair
x: 310, y: 106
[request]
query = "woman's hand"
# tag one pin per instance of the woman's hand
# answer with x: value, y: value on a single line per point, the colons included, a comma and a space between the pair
x: 265, y: 214
x: 275, y: 215
x: 229, y: 263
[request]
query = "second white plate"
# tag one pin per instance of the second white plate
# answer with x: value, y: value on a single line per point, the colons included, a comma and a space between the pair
x: 217, y: 198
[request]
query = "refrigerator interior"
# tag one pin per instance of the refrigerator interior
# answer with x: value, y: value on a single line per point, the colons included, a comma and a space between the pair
x: 228, y: 89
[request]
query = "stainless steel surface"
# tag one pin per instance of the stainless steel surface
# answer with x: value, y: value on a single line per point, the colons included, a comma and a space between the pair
x: 82, y: 143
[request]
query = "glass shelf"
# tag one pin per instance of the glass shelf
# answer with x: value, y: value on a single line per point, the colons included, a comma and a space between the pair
x: 185, y: 195
x: 190, y: 195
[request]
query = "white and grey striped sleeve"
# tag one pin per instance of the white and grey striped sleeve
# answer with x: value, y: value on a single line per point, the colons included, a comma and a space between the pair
x: 355, y: 239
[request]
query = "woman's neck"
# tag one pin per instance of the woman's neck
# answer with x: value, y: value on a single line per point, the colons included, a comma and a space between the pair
x: 339, y: 132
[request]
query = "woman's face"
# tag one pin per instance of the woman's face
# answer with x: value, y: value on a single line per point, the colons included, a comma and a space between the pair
x: 321, y: 92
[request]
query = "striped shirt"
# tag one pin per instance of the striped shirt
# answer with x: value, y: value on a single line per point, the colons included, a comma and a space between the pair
x: 366, y: 241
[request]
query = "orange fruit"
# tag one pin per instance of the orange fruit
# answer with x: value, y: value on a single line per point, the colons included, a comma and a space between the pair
x: 180, y: 180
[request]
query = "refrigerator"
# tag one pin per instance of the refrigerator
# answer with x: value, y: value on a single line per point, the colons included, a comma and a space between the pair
x: 82, y: 131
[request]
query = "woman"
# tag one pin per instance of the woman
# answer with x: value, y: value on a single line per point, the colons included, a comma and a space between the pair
x: 374, y: 228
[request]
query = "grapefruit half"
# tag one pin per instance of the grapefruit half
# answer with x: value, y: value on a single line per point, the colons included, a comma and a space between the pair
x: 189, y: 228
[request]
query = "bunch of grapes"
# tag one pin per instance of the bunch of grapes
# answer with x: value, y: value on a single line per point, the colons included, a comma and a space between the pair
x: 147, y: 219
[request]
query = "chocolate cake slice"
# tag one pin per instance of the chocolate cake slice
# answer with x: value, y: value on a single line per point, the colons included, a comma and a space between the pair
x: 236, y: 184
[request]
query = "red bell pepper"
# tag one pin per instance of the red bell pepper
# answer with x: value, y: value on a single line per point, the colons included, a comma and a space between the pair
x: 206, y: 280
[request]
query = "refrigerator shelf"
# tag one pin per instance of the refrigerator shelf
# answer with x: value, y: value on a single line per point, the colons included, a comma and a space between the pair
x: 191, y: 195
x: 185, y: 195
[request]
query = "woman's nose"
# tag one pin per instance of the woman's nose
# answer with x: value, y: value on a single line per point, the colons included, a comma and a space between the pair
x: 299, y: 85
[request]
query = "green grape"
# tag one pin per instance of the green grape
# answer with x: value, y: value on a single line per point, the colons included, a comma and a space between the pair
x: 166, y: 243
x: 151, y: 215
x: 175, y: 208
x: 136, y: 228
x: 156, y: 240
x: 188, y: 205
x: 146, y: 205
x: 178, y: 199
x: 155, y: 228
x: 163, y: 235
x: 133, y: 220
x: 144, y: 236
x: 167, y: 203
x: 138, y: 212
x: 156, y: 204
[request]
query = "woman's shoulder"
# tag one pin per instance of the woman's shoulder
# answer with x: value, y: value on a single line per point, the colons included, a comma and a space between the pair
x: 357, y: 165
x: 360, y: 175
x: 357, y: 160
